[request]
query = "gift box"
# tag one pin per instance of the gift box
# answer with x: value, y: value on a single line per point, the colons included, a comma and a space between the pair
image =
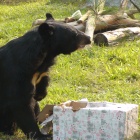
x: 45, y: 117
x: 97, y: 121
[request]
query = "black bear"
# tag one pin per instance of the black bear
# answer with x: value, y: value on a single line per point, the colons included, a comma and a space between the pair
x: 24, y: 66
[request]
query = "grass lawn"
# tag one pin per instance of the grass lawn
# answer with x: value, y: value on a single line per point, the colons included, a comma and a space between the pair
x: 97, y: 73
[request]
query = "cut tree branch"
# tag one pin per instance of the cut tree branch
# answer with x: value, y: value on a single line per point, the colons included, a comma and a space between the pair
x: 131, y: 13
x: 135, y: 5
x: 123, y: 5
x: 84, y: 17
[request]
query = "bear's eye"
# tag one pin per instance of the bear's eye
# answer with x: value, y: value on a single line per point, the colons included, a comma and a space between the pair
x: 51, y: 32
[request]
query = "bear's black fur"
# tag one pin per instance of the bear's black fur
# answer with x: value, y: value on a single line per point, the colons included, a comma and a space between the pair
x: 24, y: 63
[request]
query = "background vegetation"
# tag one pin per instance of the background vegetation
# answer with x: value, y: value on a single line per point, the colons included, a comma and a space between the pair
x: 97, y: 73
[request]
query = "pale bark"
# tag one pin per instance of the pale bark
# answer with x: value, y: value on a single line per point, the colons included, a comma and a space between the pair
x: 84, y: 17
x: 100, y: 6
x: 115, y: 36
x: 90, y: 26
x: 124, y: 4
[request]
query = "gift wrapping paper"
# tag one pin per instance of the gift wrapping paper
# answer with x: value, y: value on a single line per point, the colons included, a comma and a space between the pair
x: 98, y: 121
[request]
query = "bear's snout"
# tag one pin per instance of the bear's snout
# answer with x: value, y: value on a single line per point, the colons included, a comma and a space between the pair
x: 87, y: 40
x: 84, y: 40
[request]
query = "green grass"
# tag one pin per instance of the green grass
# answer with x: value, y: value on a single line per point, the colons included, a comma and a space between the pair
x: 97, y: 73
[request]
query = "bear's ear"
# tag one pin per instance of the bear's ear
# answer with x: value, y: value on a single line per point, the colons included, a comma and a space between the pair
x: 49, y: 16
x: 46, y: 31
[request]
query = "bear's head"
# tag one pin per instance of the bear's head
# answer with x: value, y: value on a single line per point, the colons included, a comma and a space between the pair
x: 61, y: 38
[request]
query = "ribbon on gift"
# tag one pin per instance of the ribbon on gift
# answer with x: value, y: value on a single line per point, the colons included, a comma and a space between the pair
x: 75, y: 105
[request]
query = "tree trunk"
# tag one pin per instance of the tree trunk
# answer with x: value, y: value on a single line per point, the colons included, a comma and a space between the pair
x: 90, y: 27
x: 113, y: 37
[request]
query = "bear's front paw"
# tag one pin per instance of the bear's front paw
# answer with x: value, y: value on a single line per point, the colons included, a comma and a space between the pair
x: 39, y: 97
x: 45, y: 137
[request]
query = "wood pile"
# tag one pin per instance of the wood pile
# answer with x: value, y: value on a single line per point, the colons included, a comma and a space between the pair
x: 106, y: 29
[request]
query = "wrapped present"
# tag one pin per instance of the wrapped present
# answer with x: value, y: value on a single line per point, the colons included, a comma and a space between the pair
x: 45, y: 119
x: 97, y: 121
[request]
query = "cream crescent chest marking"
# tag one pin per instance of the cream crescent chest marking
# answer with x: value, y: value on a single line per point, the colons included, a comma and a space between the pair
x: 37, y: 78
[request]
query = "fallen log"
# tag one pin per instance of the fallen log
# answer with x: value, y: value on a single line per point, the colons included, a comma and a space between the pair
x: 113, y: 37
x: 102, y: 23
x: 38, y: 22
x: 109, y: 22
x: 74, y: 23
x: 78, y: 26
